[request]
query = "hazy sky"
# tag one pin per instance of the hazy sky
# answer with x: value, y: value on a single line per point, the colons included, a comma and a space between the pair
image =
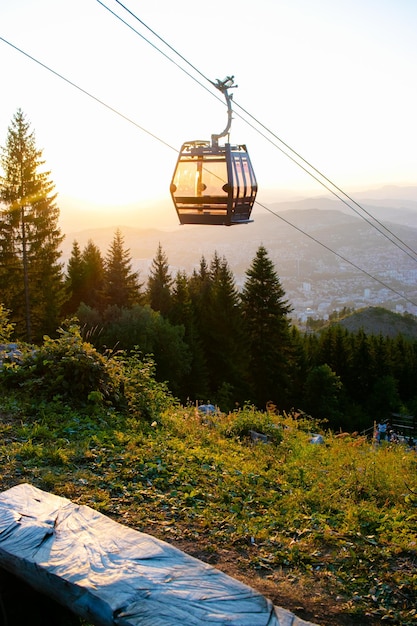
x: 335, y: 79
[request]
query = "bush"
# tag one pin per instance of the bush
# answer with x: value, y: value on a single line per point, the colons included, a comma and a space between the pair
x: 6, y: 327
x: 70, y: 369
x: 145, y: 396
x: 250, y: 419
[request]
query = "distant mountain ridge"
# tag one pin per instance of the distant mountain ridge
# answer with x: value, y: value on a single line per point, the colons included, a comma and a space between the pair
x: 286, y: 235
x: 388, y: 202
x: 397, y: 211
x: 325, y: 256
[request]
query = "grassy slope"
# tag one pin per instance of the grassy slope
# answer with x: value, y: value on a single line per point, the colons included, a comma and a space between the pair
x: 377, y: 320
x: 327, y: 531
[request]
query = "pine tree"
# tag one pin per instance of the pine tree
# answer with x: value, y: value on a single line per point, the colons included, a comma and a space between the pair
x: 322, y: 395
x: 31, y: 280
x: 75, y: 280
x: 266, y: 311
x: 334, y: 349
x: 182, y: 312
x: 361, y: 377
x: 122, y: 287
x: 93, y: 289
x: 159, y: 283
x: 225, y: 336
x: 199, y: 286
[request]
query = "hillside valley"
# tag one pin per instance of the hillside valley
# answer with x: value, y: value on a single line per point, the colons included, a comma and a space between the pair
x: 326, y: 255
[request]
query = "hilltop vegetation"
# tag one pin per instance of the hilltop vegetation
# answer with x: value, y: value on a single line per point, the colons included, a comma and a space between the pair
x: 380, y: 321
x: 328, y: 531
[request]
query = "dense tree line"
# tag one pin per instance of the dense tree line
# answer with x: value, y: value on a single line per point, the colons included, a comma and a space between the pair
x: 214, y: 343
x: 210, y: 341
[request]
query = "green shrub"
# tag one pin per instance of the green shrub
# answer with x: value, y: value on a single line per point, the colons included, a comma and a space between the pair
x: 145, y: 396
x: 69, y: 372
x: 250, y: 420
x: 68, y: 368
x: 6, y: 327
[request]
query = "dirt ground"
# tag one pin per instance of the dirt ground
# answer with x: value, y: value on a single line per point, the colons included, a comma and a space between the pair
x: 307, y: 601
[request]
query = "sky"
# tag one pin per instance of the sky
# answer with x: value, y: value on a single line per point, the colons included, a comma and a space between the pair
x: 333, y: 79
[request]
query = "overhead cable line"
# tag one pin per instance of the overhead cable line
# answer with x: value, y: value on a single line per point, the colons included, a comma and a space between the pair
x: 323, y: 245
x: 158, y: 37
x: 113, y: 110
x: 397, y: 241
x: 337, y: 188
x: 87, y: 93
x: 116, y: 15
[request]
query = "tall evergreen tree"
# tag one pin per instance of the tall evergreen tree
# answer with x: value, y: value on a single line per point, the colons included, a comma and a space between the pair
x: 122, y: 287
x: 159, y: 283
x: 93, y: 289
x: 224, y: 336
x: 323, y: 394
x: 334, y: 349
x: 266, y: 311
x: 31, y: 279
x: 194, y: 385
x: 75, y: 279
x: 403, y: 365
x: 361, y: 376
x: 199, y: 286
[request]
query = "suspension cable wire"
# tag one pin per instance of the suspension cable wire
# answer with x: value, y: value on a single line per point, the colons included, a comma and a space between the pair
x: 160, y: 39
x: 87, y: 93
x: 289, y: 156
x: 340, y: 256
x: 397, y: 241
x: 335, y: 187
x: 116, y: 15
x: 113, y: 110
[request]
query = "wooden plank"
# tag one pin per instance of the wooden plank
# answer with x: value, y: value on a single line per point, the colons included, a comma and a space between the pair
x: 110, y: 574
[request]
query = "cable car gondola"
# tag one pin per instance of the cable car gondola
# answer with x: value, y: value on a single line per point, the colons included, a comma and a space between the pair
x: 214, y: 184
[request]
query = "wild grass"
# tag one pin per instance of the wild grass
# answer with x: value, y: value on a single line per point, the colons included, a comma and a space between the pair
x: 341, y: 514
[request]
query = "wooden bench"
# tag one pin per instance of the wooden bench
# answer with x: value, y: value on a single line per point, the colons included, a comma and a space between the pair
x: 109, y: 574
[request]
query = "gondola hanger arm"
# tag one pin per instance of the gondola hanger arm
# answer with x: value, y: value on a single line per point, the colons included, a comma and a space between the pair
x: 223, y: 86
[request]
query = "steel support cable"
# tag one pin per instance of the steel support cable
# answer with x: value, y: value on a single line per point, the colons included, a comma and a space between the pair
x: 414, y: 252
x: 113, y: 110
x: 160, y: 39
x: 323, y: 184
x: 159, y: 50
x: 323, y: 245
x: 87, y: 93
x: 402, y: 245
